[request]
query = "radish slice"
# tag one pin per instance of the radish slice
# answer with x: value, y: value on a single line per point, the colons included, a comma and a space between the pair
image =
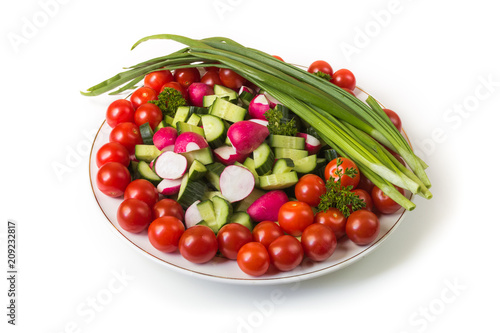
x: 313, y: 145
x: 228, y: 155
x: 246, y: 136
x: 272, y: 101
x: 164, y: 137
x: 189, y: 141
x: 266, y: 207
x: 236, y: 183
x: 245, y: 89
x: 169, y: 186
x: 259, y: 121
x: 192, y: 216
x: 170, y: 165
x: 198, y: 90
x: 258, y: 107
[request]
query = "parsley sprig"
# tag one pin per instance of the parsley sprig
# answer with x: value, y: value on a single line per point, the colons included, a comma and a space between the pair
x: 168, y: 101
x: 277, y: 125
x: 323, y: 75
x: 339, y: 196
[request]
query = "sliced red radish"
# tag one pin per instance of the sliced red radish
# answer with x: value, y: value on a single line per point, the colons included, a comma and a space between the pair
x: 164, y: 137
x: 228, y: 155
x: 246, y: 136
x: 266, y: 207
x: 169, y: 186
x: 272, y: 101
x: 236, y: 183
x: 258, y: 107
x: 198, y: 90
x: 170, y: 165
x: 313, y: 145
x: 245, y: 89
x: 189, y: 141
x: 259, y: 121
x: 192, y: 216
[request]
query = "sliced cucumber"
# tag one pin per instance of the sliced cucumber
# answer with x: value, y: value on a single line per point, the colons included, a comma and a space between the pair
x: 283, y: 165
x: 146, y: 134
x: 207, y: 212
x: 306, y: 164
x: 250, y: 165
x: 198, y: 110
x: 210, y: 194
x: 146, y: 153
x: 223, y: 211
x: 278, y: 181
x: 132, y: 168
x: 190, y: 191
x: 203, y: 155
x: 245, y: 98
x: 263, y: 157
x: 181, y: 114
x: 227, y: 110
x: 320, y: 167
x: 285, y: 141
x: 185, y: 127
x: 225, y: 91
x: 145, y: 172
x: 214, y: 171
x: 215, y: 130
x: 330, y: 154
x: 242, y: 218
x: 243, y: 205
x: 197, y: 170
x: 294, y: 154
x: 162, y: 124
x: 194, y: 119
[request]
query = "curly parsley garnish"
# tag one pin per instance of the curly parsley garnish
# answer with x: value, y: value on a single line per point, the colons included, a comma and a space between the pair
x: 277, y: 125
x: 323, y: 75
x: 168, y: 101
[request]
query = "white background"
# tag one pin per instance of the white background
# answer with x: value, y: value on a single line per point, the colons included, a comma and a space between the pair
x: 426, y: 60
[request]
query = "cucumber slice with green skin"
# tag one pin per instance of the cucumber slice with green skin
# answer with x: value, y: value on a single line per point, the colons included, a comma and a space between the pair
x: 223, y: 211
x: 132, y: 168
x: 197, y: 170
x: 225, y: 91
x: 294, y: 154
x: 245, y: 203
x: 210, y: 194
x: 242, y: 218
x: 198, y: 110
x: 207, y: 212
x: 330, y: 154
x: 250, y: 165
x: 245, y: 98
x: 214, y: 171
x: 162, y: 124
x: 306, y: 164
x: 146, y: 153
x: 190, y: 191
x: 203, y: 155
x: 194, y: 119
x: 283, y: 165
x: 145, y: 172
x: 320, y: 167
x: 146, y: 134
x: 185, y: 127
x: 181, y: 114
x: 215, y: 130
x: 278, y: 181
x: 285, y: 141
x: 169, y: 120
x: 263, y: 157
x: 227, y: 110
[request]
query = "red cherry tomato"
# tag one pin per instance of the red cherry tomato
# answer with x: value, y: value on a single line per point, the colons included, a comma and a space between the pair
x: 231, y: 79
x: 309, y: 189
x: 198, y: 244
x: 318, y: 241
x: 344, y: 78
x: 384, y: 203
x: 365, y: 183
x: 143, y: 95
x: 112, y: 179
x: 320, y: 66
x: 143, y: 190
x: 177, y: 86
x: 342, y: 163
x: 253, y: 259
x: 186, y: 76
x: 286, y: 253
x: 112, y: 152
x: 127, y: 134
x: 349, y: 91
x: 366, y: 197
x: 231, y: 238
x: 211, y: 78
x: 168, y: 207
x: 362, y: 227
x: 266, y: 231
x: 148, y: 113
x: 394, y: 117
x: 294, y: 217
x: 134, y: 215
x: 119, y: 111
x: 279, y: 58
x: 334, y: 219
x: 156, y: 80
x: 164, y: 233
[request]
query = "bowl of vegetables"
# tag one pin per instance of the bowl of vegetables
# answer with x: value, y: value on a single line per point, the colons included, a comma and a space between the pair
x: 230, y: 164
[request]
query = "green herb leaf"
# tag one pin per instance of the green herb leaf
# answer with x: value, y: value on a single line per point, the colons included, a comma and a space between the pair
x: 278, y: 126
x: 168, y: 101
x: 323, y: 75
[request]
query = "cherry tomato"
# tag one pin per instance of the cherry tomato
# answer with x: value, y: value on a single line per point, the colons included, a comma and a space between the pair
x: 362, y: 227
x: 344, y: 78
x: 186, y: 76
x: 350, y: 91
x: 128, y: 134
x: 384, y: 203
x: 112, y: 152
x: 342, y: 163
x: 177, y: 86
x: 320, y: 66
x: 134, y: 215
x: 318, y: 241
x: 253, y: 259
x: 231, y: 238
x: 119, y: 111
x: 394, y: 117
x: 143, y: 190
x: 112, y: 179
x: 309, y: 189
x: 148, y: 113
x: 286, y: 252
x: 211, y: 78
x: 168, y: 207
x: 334, y: 219
x: 143, y: 95
x: 156, y: 80
x: 231, y: 79
x: 198, y: 244
x: 366, y: 197
x: 294, y: 217
x: 164, y: 233
x: 279, y: 58
x: 266, y: 231
x: 365, y: 183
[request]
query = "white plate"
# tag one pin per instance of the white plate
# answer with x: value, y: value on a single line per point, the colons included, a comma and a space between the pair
x: 220, y: 269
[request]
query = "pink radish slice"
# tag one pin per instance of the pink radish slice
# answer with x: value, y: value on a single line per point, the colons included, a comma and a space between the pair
x: 258, y: 107
x: 189, y: 141
x: 192, y: 216
x: 164, y: 137
x: 272, y: 101
x: 259, y: 121
x: 169, y: 186
x: 246, y: 136
x: 313, y: 145
x: 228, y: 155
x: 236, y: 183
x: 246, y: 89
x: 196, y: 92
x: 266, y: 207
x: 170, y: 165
